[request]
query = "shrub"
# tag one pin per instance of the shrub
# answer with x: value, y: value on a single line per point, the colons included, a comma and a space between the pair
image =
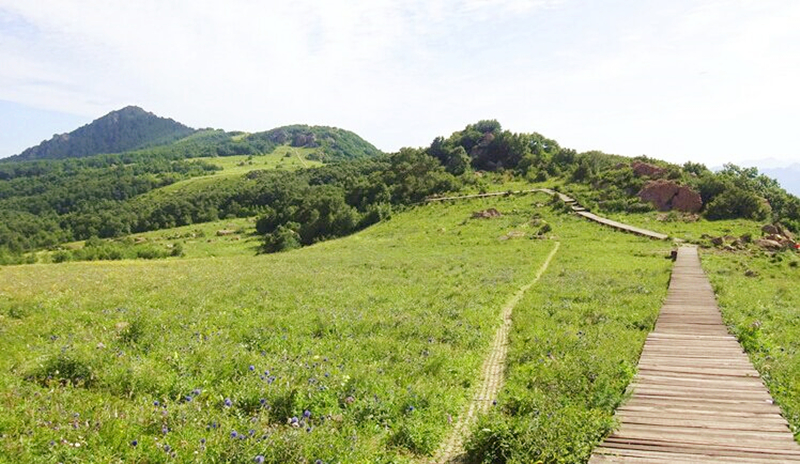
x: 734, y: 204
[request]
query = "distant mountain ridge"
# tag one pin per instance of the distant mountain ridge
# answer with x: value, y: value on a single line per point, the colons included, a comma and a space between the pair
x: 788, y: 177
x: 123, y: 130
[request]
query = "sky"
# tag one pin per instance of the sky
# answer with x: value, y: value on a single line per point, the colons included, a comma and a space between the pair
x: 711, y: 81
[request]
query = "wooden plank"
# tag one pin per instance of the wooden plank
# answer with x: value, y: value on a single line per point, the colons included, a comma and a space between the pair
x: 662, y: 457
x: 693, y: 423
x: 708, y: 449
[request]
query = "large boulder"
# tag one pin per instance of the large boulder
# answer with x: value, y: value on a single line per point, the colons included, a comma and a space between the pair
x: 660, y: 194
x: 646, y: 169
x: 687, y: 200
x: 666, y: 195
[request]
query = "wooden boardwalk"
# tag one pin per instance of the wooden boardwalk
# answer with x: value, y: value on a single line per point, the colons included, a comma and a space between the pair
x: 581, y: 211
x: 621, y: 226
x: 696, y: 397
x: 569, y: 201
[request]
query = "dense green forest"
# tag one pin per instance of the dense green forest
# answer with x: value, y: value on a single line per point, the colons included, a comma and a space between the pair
x: 44, y: 203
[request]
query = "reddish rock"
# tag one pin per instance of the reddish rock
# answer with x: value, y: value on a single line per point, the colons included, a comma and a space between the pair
x: 687, y: 200
x: 659, y: 193
x: 646, y: 169
x: 666, y: 195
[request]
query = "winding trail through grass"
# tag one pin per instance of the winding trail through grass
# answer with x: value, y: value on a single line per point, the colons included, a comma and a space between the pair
x: 491, y: 374
x: 302, y: 161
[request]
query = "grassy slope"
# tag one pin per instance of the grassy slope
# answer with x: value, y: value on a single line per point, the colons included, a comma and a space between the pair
x: 692, y: 231
x: 398, y: 316
x: 762, y: 311
x: 575, y: 343
x: 233, y: 166
x: 576, y: 338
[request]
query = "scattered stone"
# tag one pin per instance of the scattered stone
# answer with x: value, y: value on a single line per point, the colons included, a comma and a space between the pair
x: 223, y: 232
x: 512, y: 234
x: 750, y: 273
x: 486, y: 214
x: 770, y: 229
x: 718, y: 241
x: 769, y: 244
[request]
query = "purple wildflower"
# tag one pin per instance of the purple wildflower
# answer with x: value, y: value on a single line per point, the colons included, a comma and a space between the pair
x: 228, y: 402
x: 259, y: 459
x: 135, y: 443
x: 234, y: 434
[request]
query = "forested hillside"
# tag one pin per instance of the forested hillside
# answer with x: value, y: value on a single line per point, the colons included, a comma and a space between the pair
x: 119, y: 131
x: 48, y: 202
x: 616, y: 183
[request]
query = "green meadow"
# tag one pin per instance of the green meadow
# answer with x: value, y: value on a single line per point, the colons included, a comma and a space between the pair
x: 759, y: 296
x: 574, y: 346
x: 363, y: 349
x: 366, y: 348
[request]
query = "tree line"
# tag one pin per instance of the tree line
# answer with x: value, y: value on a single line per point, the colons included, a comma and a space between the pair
x: 45, y: 203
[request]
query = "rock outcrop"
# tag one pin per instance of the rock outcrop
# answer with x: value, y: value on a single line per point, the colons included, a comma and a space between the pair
x: 646, y: 169
x: 666, y: 195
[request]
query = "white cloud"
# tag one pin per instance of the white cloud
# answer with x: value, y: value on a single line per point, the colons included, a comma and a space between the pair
x: 634, y: 78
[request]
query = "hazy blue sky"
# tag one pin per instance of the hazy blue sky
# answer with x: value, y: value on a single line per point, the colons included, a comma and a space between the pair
x: 703, y: 80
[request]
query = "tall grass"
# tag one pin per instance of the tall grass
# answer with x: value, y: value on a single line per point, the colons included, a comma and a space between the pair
x: 759, y: 296
x: 575, y: 343
x: 356, y: 350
